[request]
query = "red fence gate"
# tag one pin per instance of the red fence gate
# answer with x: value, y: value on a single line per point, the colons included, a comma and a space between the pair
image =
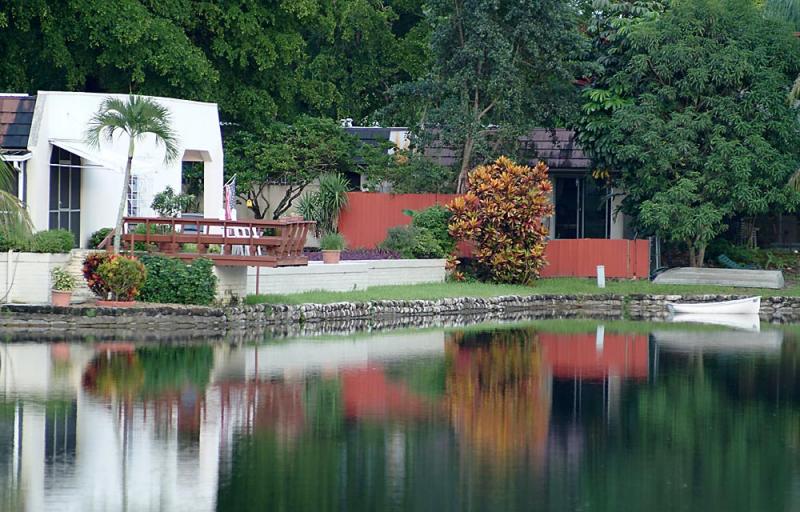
x: 369, y: 215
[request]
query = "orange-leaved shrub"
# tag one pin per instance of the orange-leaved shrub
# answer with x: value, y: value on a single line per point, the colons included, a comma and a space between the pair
x: 501, y: 213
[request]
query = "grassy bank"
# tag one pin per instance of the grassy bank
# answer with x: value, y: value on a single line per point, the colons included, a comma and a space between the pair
x: 556, y: 286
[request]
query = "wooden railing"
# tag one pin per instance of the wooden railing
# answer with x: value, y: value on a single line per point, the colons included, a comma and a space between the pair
x: 257, y: 243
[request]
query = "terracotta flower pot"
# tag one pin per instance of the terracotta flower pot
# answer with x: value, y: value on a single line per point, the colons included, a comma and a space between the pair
x: 60, y: 297
x: 116, y: 303
x: 331, y: 256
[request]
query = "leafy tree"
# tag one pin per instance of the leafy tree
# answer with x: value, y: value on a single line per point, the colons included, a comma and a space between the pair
x: 260, y: 61
x: 502, y: 214
x: 701, y: 128
x: 498, y: 69
x: 135, y: 117
x: 293, y: 155
x: 407, y: 172
x: 169, y: 204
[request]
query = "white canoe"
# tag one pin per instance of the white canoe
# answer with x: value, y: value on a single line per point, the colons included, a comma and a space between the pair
x: 748, y: 306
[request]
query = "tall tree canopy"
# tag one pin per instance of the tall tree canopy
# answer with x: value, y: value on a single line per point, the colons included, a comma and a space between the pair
x: 498, y: 68
x: 261, y: 61
x: 700, y: 127
x: 293, y: 155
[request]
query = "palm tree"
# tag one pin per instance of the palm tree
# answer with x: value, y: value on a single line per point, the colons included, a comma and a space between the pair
x: 15, y: 223
x: 135, y: 117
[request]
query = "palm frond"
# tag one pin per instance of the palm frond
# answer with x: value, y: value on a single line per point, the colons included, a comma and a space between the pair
x: 137, y: 116
x: 15, y: 222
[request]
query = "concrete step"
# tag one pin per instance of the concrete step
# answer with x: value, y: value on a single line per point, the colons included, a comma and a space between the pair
x: 81, y: 294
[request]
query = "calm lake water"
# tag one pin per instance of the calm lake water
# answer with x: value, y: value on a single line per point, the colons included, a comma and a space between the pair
x: 571, y: 416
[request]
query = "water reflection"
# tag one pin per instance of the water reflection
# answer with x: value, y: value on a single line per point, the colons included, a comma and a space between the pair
x: 551, y: 416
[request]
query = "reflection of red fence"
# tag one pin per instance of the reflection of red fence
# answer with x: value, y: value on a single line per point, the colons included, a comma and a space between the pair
x: 584, y: 356
x: 368, y: 217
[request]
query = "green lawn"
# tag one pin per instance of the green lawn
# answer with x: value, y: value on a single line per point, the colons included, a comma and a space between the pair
x: 555, y: 286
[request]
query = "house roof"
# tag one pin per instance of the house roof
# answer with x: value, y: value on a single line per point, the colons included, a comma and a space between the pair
x: 370, y: 135
x: 558, y: 148
x: 16, y: 117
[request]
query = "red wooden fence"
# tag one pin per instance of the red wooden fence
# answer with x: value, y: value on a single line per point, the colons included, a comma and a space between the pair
x: 580, y: 257
x: 369, y: 215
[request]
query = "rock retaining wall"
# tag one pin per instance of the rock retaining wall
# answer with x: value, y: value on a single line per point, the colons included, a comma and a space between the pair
x: 249, y: 322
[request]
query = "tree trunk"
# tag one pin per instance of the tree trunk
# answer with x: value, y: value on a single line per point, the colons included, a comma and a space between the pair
x: 466, y: 157
x: 697, y: 253
x: 123, y: 202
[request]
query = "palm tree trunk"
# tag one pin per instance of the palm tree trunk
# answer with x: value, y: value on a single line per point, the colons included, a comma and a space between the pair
x: 123, y: 202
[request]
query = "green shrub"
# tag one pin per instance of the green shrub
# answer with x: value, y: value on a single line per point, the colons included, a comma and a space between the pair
x: 332, y: 242
x: 436, y: 220
x: 98, y: 236
x: 413, y: 242
x: 123, y: 275
x: 53, y: 241
x: 169, y: 280
x: 8, y: 243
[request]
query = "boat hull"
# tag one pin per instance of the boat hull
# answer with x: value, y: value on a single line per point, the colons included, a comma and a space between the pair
x: 748, y: 306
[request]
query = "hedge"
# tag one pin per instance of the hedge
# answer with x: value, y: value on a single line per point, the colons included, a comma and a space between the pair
x: 171, y: 281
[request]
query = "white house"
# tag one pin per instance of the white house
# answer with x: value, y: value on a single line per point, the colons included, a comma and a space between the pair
x: 68, y: 184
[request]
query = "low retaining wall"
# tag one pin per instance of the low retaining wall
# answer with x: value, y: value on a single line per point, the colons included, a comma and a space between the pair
x: 344, y: 276
x: 249, y: 322
x: 25, y: 276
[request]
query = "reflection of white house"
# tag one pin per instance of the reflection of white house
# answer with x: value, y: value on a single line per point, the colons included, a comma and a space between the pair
x: 69, y: 185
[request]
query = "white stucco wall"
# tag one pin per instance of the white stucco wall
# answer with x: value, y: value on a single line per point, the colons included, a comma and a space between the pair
x: 345, y: 276
x: 62, y: 118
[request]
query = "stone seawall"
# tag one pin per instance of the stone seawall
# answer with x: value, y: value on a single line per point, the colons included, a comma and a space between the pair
x: 251, y: 322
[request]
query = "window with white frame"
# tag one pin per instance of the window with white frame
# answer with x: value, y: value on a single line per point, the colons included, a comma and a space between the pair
x: 133, y: 196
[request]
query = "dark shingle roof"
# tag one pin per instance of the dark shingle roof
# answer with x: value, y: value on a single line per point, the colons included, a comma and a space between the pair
x: 16, y: 116
x: 558, y: 148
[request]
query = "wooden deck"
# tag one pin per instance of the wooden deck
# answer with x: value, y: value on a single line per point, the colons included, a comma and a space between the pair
x: 255, y: 243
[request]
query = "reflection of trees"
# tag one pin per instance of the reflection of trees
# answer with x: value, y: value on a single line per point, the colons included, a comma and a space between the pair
x: 685, y: 442
x: 497, y: 394
x: 161, y: 377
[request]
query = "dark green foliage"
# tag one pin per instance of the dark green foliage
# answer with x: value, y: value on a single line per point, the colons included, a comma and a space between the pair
x: 9, y: 242
x: 696, y: 119
x: 413, y: 242
x: 171, y: 281
x: 504, y: 63
x: 98, y: 236
x: 435, y: 220
x: 407, y: 172
x: 258, y: 60
x: 169, y: 204
x: 52, y: 241
x: 170, y: 369
x: 291, y: 155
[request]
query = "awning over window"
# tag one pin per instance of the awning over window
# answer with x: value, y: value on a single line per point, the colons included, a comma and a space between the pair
x: 91, y: 157
x: 18, y: 155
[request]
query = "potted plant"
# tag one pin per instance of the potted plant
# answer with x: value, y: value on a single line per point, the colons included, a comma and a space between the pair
x: 62, y: 285
x: 331, y: 245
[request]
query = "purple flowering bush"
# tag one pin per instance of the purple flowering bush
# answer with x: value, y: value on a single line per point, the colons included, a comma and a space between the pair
x: 357, y: 254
